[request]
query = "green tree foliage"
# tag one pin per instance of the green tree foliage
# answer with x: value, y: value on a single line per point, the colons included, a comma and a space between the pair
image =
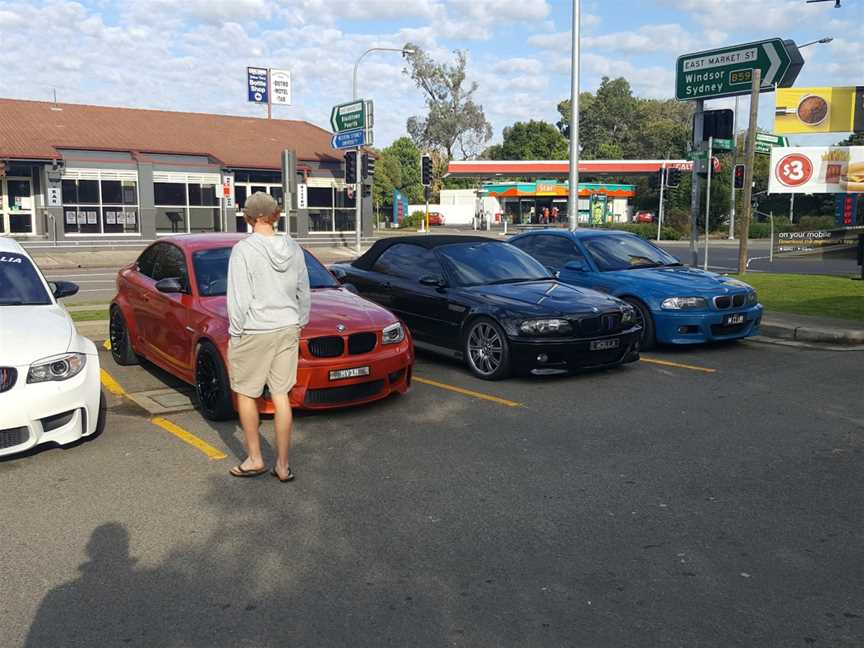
x: 398, y: 168
x: 532, y: 140
x: 454, y: 122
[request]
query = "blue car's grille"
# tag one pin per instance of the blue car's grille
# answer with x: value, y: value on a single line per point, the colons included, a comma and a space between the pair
x: 725, y: 302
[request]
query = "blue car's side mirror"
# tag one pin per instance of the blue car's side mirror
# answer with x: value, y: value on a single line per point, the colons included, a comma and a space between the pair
x: 576, y: 265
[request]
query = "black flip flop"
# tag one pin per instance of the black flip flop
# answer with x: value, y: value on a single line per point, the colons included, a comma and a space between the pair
x: 238, y: 471
x: 290, y: 476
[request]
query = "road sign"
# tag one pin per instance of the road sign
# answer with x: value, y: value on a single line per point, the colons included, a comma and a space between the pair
x: 349, y: 116
x: 723, y: 144
x: 280, y: 87
x: 350, y: 139
x: 766, y: 141
x: 728, y: 71
x: 302, y: 196
x: 256, y: 84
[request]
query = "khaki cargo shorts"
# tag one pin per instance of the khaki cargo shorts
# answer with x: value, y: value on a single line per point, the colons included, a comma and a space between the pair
x: 259, y: 359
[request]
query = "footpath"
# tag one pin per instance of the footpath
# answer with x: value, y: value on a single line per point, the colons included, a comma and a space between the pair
x: 822, y: 331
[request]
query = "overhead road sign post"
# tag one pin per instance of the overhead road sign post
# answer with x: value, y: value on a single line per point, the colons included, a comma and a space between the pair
x: 728, y: 71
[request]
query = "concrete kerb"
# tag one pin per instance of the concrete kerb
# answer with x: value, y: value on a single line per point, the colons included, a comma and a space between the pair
x: 812, y: 333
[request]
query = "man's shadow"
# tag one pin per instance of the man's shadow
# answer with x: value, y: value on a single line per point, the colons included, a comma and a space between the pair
x: 112, y: 602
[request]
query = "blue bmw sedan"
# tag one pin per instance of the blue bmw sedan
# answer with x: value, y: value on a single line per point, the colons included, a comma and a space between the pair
x: 675, y: 303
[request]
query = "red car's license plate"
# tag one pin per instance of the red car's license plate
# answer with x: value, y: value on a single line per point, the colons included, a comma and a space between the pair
x: 604, y: 345
x: 733, y: 319
x: 354, y: 372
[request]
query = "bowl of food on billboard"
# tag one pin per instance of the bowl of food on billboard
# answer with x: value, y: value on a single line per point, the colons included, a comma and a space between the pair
x: 819, y: 110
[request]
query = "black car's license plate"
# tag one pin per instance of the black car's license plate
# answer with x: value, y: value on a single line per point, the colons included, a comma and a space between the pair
x: 354, y: 372
x: 604, y: 345
x: 733, y: 319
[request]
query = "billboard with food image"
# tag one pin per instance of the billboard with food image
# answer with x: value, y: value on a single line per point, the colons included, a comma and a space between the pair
x: 819, y: 110
x: 817, y: 169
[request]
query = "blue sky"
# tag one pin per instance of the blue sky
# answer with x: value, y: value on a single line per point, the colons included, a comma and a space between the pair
x: 192, y: 55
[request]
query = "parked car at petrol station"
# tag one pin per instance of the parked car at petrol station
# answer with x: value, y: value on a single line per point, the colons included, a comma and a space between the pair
x: 50, y: 389
x: 171, y: 310
x: 493, y: 306
x: 675, y: 304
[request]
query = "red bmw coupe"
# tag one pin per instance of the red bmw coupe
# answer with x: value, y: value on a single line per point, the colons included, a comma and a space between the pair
x: 170, y: 309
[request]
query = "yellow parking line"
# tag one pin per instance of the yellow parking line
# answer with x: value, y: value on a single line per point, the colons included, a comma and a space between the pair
x: 111, y: 385
x: 677, y: 365
x: 468, y: 392
x: 188, y: 437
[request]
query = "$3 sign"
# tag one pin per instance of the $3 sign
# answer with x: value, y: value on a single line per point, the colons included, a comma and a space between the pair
x: 794, y: 170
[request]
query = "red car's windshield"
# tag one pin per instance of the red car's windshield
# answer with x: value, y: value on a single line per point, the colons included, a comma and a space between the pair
x: 211, y: 271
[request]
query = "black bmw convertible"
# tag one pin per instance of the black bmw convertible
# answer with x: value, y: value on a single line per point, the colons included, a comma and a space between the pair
x: 492, y: 305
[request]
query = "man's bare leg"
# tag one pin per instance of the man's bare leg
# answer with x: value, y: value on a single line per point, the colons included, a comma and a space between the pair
x: 247, y: 408
x: 283, y: 421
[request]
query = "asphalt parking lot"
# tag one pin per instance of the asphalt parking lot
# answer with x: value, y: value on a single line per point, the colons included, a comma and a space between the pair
x: 702, y: 497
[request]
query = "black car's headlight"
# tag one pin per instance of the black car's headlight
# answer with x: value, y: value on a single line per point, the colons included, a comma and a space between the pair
x: 60, y: 367
x: 684, y: 303
x: 546, y: 327
x: 752, y: 298
x: 628, y: 315
x: 393, y: 334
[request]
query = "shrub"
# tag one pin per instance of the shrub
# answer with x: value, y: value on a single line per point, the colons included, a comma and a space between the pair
x: 648, y: 231
x: 817, y: 222
x: 414, y: 220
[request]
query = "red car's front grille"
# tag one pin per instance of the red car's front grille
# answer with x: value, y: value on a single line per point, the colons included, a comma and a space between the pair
x: 327, y: 347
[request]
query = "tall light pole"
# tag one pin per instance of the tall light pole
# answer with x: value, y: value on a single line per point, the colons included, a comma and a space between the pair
x: 573, y: 190
x: 358, y: 188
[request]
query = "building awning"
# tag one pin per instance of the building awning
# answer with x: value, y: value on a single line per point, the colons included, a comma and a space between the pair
x: 552, y: 188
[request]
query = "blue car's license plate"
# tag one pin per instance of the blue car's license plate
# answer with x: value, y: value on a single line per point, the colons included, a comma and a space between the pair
x: 604, y: 345
x: 733, y: 319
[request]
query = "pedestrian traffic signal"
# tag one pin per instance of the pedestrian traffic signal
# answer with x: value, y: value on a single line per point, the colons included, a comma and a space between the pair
x: 739, y: 176
x: 368, y: 166
x: 427, y: 170
x: 351, y: 167
x: 673, y: 178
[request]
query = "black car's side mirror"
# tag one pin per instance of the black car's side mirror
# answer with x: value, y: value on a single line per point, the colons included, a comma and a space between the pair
x: 576, y: 265
x: 62, y: 289
x: 170, y: 285
x: 435, y: 281
x: 351, y: 288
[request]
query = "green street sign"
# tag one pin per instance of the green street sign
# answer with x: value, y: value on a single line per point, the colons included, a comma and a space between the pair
x: 772, y: 140
x: 723, y: 144
x: 698, y: 155
x: 728, y: 71
x: 352, y: 115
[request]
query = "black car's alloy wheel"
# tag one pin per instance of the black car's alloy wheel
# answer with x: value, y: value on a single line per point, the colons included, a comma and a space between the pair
x: 486, y: 350
x: 211, y: 385
x: 644, y: 319
x: 118, y: 335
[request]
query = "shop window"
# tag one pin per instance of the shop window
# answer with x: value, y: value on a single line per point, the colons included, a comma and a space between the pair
x: 169, y: 193
x: 184, y: 207
x: 202, y: 195
x: 320, y: 196
x: 100, y: 206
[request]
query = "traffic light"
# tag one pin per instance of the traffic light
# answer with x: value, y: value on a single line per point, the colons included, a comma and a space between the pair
x: 654, y: 180
x: 368, y: 166
x: 739, y: 176
x: 717, y: 124
x: 673, y: 178
x: 351, y: 167
x: 426, y: 165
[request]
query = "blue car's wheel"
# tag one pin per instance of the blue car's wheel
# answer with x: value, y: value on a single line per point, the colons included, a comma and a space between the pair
x: 644, y: 319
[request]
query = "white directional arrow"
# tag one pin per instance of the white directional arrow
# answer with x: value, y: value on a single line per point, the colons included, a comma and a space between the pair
x: 770, y: 77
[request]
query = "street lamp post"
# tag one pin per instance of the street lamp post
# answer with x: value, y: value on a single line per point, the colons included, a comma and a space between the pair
x: 358, y: 188
x: 573, y: 192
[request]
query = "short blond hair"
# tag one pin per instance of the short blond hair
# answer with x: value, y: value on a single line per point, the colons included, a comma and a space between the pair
x: 261, y: 206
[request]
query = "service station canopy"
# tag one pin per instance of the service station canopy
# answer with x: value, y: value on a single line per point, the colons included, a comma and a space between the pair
x: 561, y: 168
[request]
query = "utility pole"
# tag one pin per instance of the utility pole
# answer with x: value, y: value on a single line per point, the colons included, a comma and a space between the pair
x: 698, y: 122
x: 573, y: 189
x: 791, y: 208
x: 708, y: 197
x: 662, y: 186
x: 269, y: 98
x: 744, y: 221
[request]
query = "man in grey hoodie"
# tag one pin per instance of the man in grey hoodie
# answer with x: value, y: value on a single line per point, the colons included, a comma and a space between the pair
x: 268, y: 304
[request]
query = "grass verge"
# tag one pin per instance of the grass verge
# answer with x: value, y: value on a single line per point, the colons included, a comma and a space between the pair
x: 818, y: 295
x: 89, y: 315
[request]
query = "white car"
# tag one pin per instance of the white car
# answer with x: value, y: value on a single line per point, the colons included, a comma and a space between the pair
x: 50, y: 389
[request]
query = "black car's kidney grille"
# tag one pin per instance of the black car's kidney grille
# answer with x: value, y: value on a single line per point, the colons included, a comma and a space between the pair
x: 362, y: 343
x: 11, y: 437
x: 730, y: 301
x: 331, y: 346
x: 344, y: 394
x: 8, y: 376
x: 590, y: 325
x: 600, y: 324
x: 611, y: 322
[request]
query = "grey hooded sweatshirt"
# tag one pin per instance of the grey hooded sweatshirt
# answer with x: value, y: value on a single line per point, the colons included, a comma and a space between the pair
x: 268, y: 285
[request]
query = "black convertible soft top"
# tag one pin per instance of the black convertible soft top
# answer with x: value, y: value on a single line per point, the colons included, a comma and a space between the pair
x: 429, y: 241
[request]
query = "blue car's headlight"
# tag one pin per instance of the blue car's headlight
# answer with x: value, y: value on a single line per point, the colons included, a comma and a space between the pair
x: 684, y: 303
x: 546, y: 327
x: 752, y: 298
